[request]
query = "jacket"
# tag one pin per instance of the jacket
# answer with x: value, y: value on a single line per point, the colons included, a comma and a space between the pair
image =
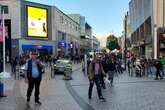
x: 91, y: 70
x: 29, y: 70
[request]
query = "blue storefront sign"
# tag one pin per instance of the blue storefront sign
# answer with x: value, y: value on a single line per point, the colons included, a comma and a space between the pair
x: 36, y: 46
x: 62, y: 44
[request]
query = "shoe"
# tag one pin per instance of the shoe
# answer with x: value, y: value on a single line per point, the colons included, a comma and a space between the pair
x: 102, y: 98
x: 103, y: 87
x: 156, y: 78
x: 161, y: 78
x: 28, y: 100
x: 38, y: 103
x: 90, y: 97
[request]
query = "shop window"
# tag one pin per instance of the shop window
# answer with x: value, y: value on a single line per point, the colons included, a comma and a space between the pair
x: 6, y: 10
x: 62, y: 19
x: 63, y: 36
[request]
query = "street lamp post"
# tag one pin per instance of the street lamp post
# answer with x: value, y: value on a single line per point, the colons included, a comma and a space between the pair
x: 125, y: 45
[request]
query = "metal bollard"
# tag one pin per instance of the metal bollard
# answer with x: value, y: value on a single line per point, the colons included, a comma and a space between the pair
x: 52, y: 72
x: 17, y: 74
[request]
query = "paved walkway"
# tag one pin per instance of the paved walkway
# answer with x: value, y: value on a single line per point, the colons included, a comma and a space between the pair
x: 54, y: 94
x: 128, y: 93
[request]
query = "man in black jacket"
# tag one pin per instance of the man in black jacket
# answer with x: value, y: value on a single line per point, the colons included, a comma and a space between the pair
x: 158, y: 68
x: 33, y: 77
x: 111, y: 70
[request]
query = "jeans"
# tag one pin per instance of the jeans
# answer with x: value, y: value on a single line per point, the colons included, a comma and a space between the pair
x: 102, y: 80
x: 13, y: 69
x: 162, y: 71
x: 111, y: 76
x: 158, y: 74
x: 95, y: 80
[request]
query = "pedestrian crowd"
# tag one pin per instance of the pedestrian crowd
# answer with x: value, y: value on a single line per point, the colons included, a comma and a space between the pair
x: 141, y: 67
x: 101, y: 69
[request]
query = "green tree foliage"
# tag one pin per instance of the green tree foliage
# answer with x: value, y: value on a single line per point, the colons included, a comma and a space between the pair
x: 112, y: 42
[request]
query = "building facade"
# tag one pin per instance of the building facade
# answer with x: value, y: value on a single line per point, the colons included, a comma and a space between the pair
x: 67, y: 32
x: 96, y: 44
x: 85, y: 33
x: 146, y: 19
x: 37, y: 27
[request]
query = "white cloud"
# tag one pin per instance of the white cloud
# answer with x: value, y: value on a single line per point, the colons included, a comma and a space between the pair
x: 102, y: 38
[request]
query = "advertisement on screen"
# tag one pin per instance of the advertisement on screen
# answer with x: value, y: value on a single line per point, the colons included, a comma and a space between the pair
x: 37, y: 22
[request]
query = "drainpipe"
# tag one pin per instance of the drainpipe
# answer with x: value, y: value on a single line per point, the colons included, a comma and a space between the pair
x: 163, y: 14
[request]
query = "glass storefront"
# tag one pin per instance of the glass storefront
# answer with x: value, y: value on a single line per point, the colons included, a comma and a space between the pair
x: 148, y: 50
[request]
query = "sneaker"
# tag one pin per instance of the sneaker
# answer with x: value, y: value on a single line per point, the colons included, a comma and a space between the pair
x: 102, y: 98
x: 103, y: 87
x: 28, y: 100
x: 161, y: 78
x: 156, y: 78
x: 90, y: 97
x: 38, y: 103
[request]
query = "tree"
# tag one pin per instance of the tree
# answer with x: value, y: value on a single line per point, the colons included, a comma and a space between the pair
x: 112, y: 42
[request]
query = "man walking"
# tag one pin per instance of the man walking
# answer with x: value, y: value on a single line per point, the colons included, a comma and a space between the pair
x: 158, y: 68
x: 95, y: 70
x: 33, y: 77
x: 111, y: 71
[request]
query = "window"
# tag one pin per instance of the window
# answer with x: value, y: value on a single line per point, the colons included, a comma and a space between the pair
x: 63, y: 36
x: 65, y: 22
x: 6, y: 10
x: 69, y: 24
x: 62, y: 19
x: 76, y: 28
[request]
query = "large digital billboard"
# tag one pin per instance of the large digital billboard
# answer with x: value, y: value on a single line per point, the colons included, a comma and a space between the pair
x: 37, y: 22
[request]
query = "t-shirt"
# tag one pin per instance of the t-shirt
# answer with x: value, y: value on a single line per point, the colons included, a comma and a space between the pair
x: 97, y: 67
x: 35, y: 72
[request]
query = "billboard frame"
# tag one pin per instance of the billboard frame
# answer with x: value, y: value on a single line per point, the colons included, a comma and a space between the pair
x: 27, y: 30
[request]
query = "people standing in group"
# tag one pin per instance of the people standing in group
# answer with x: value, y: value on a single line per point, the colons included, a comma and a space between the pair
x: 95, y: 70
x: 33, y: 77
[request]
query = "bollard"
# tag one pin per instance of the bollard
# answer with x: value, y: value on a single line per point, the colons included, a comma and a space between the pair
x: 17, y: 74
x: 52, y: 73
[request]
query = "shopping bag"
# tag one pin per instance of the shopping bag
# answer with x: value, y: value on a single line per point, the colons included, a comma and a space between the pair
x: 106, y: 81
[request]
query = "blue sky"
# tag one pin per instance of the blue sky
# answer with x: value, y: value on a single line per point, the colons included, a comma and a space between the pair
x: 105, y: 16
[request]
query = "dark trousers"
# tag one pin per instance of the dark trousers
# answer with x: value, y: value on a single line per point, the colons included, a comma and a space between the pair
x: 158, y: 74
x: 102, y: 80
x: 13, y: 69
x: 96, y: 80
x: 31, y: 84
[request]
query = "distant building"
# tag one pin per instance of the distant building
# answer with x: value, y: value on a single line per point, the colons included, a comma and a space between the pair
x: 96, y: 44
x: 38, y: 27
x: 85, y: 33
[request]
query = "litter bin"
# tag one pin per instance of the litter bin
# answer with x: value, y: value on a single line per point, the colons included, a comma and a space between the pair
x: 67, y: 74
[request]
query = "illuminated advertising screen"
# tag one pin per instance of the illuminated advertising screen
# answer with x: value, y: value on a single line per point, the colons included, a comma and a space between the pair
x: 37, y: 22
